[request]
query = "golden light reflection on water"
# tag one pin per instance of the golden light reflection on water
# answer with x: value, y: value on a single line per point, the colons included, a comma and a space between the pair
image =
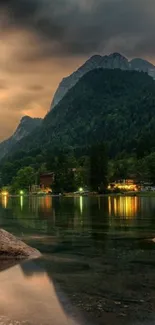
x: 4, y: 201
x: 41, y: 205
x: 45, y: 203
x: 123, y: 206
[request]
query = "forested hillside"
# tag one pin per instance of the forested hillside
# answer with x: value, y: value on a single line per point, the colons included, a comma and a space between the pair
x: 114, y: 106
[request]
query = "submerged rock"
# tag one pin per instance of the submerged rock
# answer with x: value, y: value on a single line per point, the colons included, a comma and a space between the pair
x: 12, y: 247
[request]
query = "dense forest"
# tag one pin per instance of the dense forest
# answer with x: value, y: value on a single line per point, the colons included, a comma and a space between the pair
x: 114, y: 106
x: 110, y: 108
x: 90, y: 169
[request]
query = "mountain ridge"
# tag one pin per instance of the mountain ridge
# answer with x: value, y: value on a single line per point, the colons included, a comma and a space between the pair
x: 26, y: 126
x: 112, y: 106
x: 112, y: 61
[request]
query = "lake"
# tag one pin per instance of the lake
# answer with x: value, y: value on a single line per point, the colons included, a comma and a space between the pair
x: 98, y: 251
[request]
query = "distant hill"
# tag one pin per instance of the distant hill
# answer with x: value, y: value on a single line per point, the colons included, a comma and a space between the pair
x: 113, y: 61
x: 112, y: 106
x: 25, y: 127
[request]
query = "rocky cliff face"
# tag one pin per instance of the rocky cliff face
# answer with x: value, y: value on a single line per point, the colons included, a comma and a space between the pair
x: 25, y: 127
x: 112, y: 61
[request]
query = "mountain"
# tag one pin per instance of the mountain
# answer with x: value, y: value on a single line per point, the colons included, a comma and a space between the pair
x: 113, y: 61
x: 141, y: 65
x: 25, y: 127
x: 112, y: 106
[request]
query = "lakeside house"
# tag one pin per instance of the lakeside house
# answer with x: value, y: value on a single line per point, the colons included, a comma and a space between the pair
x: 131, y: 185
x: 45, y: 183
x: 124, y: 185
x: 46, y: 180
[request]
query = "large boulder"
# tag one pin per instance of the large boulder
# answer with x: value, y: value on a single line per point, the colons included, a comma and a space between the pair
x: 12, y: 247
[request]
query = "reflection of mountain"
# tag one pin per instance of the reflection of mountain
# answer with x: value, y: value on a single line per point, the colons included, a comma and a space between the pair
x: 6, y: 264
x: 32, y: 299
x: 29, y: 268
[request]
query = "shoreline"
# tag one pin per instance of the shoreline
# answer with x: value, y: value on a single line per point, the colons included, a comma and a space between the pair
x: 72, y: 195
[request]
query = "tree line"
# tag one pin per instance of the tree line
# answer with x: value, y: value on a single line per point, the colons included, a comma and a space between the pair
x: 71, y: 170
x: 88, y: 168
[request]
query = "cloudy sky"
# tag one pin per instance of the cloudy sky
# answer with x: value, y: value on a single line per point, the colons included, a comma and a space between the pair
x: 44, y: 40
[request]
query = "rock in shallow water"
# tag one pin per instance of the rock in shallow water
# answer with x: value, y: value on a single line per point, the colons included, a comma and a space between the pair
x: 12, y: 247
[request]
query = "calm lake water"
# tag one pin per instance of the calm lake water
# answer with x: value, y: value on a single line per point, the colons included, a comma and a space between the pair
x: 81, y: 216
x: 98, y: 249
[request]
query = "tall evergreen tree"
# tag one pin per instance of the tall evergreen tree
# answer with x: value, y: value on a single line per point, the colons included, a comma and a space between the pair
x: 98, y: 168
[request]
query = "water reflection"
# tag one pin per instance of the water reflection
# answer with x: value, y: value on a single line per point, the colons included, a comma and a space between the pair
x: 81, y: 204
x: 27, y: 294
x: 79, y: 215
x: 66, y: 229
x: 21, y: 202
x: 4, y: 201
x: 126, y: 207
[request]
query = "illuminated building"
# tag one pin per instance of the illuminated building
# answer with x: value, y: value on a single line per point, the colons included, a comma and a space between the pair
x: 124, y: 185
x: 46, y: 181
x: 45, y: 184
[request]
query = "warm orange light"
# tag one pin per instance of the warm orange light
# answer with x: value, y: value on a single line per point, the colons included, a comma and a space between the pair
x: 5, y: 193
x: 123, y: 206
x: 126, y: 187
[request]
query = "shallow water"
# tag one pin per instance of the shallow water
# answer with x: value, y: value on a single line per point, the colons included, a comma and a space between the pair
x: 28, y: 296
x: 96, y: 249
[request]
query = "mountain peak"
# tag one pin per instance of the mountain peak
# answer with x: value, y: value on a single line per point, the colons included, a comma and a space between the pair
x: 117, y: 55
x: 95, y: 57
x: 26, y: 126
x: 113, y: 61
x: 25, y: 118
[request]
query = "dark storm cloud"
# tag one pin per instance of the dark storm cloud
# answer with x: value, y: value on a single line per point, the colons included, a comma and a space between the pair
x: 77, y: 27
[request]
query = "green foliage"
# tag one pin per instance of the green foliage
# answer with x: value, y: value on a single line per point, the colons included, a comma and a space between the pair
x: 64, y: 173
x: 98, y: 168
x: 147, y: 168
x: 123, y: 168
x: 114, y: 107
x: 24, y: 180
x: 7, y: 172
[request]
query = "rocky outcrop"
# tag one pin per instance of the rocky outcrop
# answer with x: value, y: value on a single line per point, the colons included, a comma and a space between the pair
x: 112, y: 61
x: 25, y: 127
x: 12, y: 247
